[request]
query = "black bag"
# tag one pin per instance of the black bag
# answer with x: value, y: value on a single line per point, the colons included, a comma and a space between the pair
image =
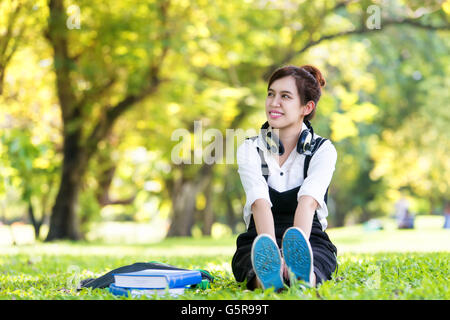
x: 108, y: 278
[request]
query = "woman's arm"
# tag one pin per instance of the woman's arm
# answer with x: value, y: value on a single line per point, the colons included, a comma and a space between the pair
x: 262, y: 215
x: 304, y: 214
x: 253, y: 182
x: 314, y: 187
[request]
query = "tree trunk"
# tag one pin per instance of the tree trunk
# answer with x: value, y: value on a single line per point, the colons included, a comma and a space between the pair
x: 36, y: 224
x: 231, y: 214
x: 208, y: 213
x: 64, y: 223
x: 105, y: 178
x: 184, y: 193
x: 339, y: 218
x: 183, y: 202
x: 3, y: 217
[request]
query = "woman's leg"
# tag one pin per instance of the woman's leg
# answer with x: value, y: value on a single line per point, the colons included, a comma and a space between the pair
x: 324, y: 253
x: 325, y: 262
x: 254, y: 284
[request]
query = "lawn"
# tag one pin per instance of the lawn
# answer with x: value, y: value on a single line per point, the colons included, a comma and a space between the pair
x: 386, y: 264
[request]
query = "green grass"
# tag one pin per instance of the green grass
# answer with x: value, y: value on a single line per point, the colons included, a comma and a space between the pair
x: 388, y: 264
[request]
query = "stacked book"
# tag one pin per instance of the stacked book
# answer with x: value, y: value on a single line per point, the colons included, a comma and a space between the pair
x: 151, y: 282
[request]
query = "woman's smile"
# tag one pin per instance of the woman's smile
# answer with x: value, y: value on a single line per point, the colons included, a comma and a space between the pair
x: 275, y: 114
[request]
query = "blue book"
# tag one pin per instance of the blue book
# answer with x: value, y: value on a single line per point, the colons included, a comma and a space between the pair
x: 157, y: 279
x: 138, y: 292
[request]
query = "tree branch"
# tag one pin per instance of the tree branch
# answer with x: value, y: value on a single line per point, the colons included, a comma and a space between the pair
x: 417, y: 24
x: 153, y: 80
x: 4, y: 41
x: 97, y: 92
x: 408, y: 21
x: 108, y: 201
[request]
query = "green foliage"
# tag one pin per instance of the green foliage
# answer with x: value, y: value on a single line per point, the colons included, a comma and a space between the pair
x: 384, y: 106
x: 31, y: 166
x: 33, y: 161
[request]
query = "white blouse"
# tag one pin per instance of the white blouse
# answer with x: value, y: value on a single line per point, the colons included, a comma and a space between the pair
x: 286, y: 177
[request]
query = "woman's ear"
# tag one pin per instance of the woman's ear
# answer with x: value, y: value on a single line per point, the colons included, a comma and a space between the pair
x: 309, y: 107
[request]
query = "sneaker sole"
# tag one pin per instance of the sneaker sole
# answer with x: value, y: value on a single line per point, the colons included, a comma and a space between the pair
x: 298, y: 254
x: 266, y: 261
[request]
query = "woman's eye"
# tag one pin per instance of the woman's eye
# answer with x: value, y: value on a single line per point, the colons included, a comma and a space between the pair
x: 283, y: 96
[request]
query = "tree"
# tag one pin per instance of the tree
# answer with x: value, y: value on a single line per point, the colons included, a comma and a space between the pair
x: 10, y: 40
x: 248, y: 68
x: 150, y: 68
x: 89, y: 115
x: 36, y: 170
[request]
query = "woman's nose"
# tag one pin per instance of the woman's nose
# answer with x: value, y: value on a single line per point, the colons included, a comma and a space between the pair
x: 275, y: 102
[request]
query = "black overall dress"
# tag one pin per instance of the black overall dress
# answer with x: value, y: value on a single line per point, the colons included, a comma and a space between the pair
x: 284, y: 205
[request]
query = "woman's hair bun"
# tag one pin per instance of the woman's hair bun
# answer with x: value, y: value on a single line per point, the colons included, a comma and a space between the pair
x: 315, y: 73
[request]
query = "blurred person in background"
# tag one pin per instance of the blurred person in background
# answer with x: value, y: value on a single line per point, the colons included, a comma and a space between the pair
x: 447, y: 215
x: 402, y: 212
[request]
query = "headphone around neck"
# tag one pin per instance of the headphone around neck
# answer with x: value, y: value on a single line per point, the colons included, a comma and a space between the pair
x: 305, y: 144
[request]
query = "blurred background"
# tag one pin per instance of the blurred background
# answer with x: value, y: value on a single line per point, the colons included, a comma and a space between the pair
x: 91, y: 93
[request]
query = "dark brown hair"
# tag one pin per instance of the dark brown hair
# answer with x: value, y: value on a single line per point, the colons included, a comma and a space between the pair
x: 309, y: 81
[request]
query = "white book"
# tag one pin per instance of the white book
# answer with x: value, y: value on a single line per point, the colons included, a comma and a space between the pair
x: 158, y: 279
x: 136, y: 293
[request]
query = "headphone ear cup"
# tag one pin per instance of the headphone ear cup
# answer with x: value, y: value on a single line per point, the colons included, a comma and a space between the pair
x: 280, y: 148
x: 265, y: 125
x: 272, y: 141
x: 271, y: 144
x: 274, y: 144
x: 304, y: 141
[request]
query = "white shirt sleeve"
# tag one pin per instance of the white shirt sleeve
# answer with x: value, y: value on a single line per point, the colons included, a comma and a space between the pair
x: 253, y: 182
x: 320, y: 173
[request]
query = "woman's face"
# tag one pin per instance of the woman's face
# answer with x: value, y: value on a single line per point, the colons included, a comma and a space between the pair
x: 283, y: 106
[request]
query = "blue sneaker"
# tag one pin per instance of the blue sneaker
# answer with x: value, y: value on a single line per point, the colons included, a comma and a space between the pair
x: 298, y: 254
x: 266, y: 261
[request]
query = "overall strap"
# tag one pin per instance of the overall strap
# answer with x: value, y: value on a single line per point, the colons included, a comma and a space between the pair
x: 319, y: 142
x: 264, y: 166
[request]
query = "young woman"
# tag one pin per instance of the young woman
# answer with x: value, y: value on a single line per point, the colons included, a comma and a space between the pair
x: 285, y: 172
